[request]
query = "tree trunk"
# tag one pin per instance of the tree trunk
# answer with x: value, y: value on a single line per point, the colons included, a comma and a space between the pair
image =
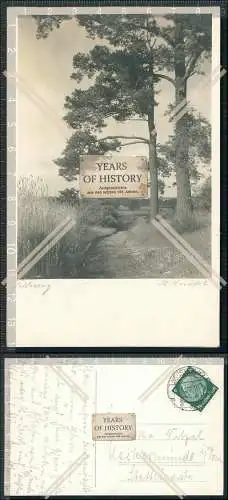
x: 153, y: 170
x: 184, y: 208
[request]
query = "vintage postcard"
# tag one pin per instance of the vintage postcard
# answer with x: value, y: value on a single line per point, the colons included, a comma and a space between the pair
x: 113, y: 176
x: 114, y: 426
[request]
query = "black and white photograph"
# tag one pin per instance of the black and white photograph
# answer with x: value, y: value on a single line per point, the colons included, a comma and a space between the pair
x: 113, y: 176
x: 117, y: 88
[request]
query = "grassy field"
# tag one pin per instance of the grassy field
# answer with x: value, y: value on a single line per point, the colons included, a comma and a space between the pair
x: 143, y: 252
x: 104, y: 242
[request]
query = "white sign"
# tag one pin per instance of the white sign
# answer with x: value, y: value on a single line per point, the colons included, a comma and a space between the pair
x: 114, y: 426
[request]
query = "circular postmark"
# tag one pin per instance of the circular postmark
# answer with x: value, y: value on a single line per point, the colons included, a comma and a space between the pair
x: 188, y: 388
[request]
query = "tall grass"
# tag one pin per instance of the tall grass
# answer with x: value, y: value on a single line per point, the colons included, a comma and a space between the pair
x: 38, y: 215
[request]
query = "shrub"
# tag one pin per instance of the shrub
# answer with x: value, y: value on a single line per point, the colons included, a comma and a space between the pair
x: 69, y: 196
x: 205, y: 195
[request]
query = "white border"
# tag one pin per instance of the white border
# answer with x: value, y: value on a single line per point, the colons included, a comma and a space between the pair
x: 140, y: 312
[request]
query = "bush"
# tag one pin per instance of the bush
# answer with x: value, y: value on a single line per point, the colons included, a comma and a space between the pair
x: 69, y: 196
x: 206, y: 194
x: 203, y: 199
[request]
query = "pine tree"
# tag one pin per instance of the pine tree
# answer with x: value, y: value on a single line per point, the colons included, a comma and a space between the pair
x: 188, y: 42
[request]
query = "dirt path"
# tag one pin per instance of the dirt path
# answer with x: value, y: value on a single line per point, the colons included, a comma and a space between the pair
x: 141, y: 252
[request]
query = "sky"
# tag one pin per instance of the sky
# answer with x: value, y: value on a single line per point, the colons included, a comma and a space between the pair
x: 44, y: 67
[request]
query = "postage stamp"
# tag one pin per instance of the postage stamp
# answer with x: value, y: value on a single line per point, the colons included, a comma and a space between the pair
x: 114, y: 426
x: 190, y: 388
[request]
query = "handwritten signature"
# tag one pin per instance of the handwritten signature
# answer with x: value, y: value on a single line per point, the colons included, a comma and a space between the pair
x: 31, y: 284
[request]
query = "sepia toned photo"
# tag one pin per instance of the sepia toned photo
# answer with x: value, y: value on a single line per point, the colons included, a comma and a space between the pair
x: 113, y: 176
x: 114, y: 87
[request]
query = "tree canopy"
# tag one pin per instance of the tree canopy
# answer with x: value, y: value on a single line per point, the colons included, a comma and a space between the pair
x: 135, y: 52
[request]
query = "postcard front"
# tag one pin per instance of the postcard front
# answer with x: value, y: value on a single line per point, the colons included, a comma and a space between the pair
x: 113, y: 177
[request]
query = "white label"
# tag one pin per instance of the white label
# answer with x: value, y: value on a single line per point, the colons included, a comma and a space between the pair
x: 114, y: 426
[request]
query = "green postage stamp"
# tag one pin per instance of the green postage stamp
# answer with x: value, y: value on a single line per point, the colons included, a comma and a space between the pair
x: 190, y: 388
